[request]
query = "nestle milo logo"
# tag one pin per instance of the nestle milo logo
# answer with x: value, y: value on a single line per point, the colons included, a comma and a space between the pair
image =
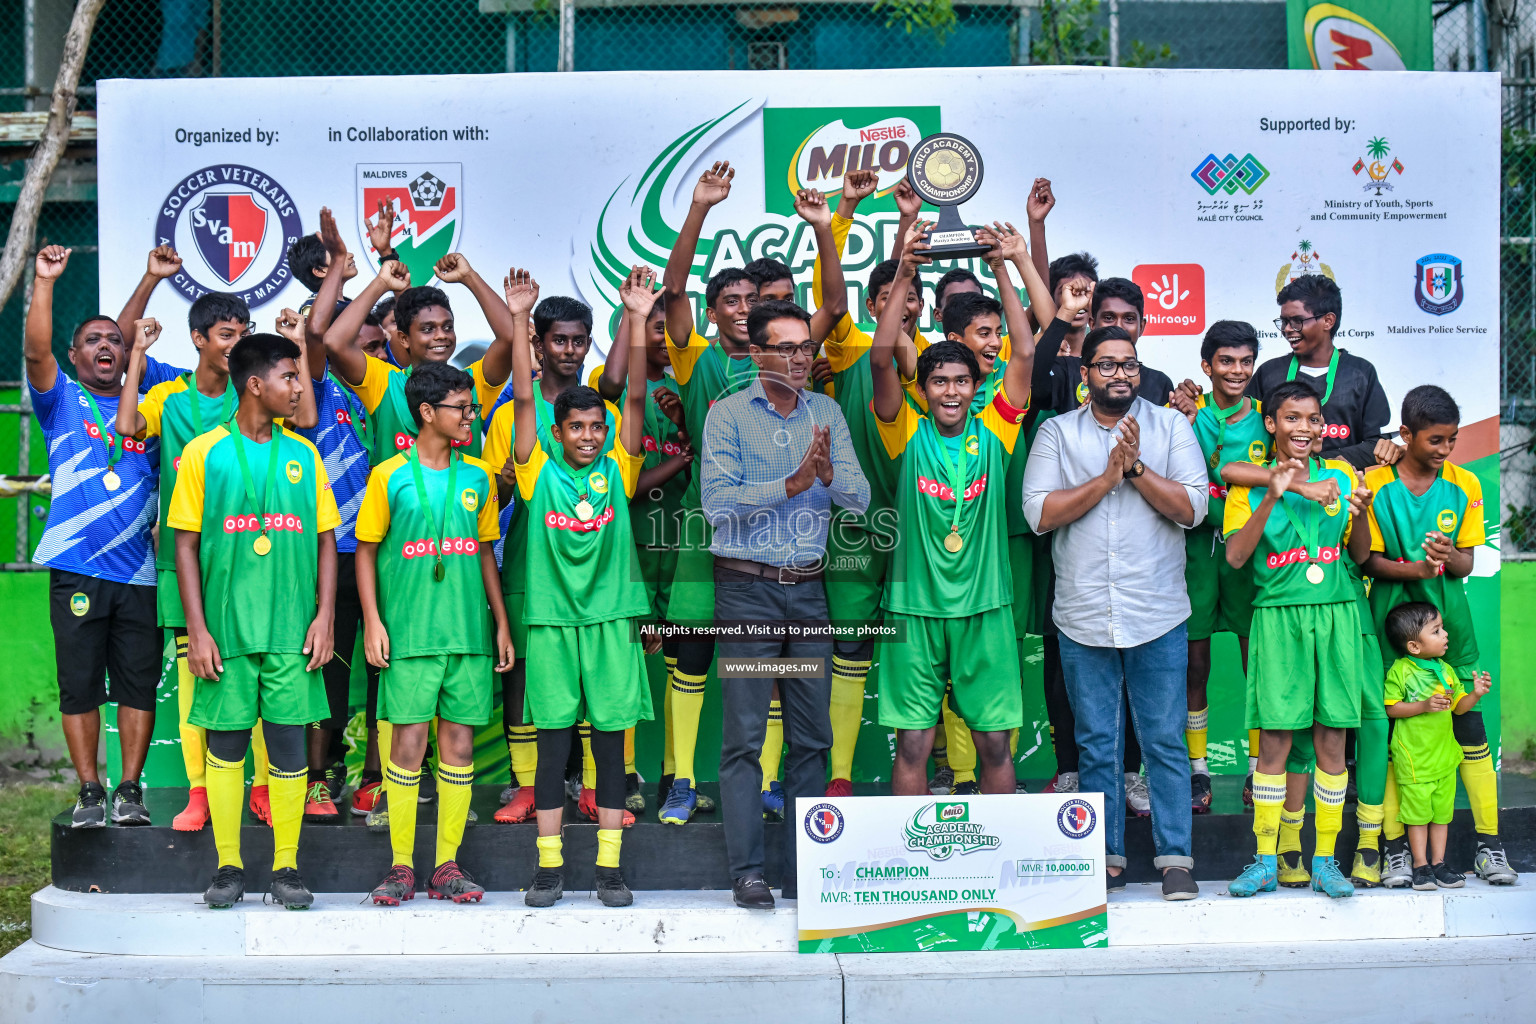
x: 943, y: 829
x: 815, y: 147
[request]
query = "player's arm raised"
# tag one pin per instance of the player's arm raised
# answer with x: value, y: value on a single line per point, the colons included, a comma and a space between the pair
x: 889, y: 394
x: 163, y: 263
x: 812, y: 207
x: 522, y: 293
x: 37, y: 340
x: 638, y: 294
x: 323, y: 311
x: 496, y: 364
x: 714, y: 185
x: 131, y: 422
x: 346, y: 355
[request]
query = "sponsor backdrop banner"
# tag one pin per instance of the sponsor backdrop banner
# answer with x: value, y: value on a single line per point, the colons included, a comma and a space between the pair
x: 902, y: 874
x: 1360, y: 35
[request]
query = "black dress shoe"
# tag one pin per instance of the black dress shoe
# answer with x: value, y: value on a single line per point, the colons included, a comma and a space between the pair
x: 751, y: 893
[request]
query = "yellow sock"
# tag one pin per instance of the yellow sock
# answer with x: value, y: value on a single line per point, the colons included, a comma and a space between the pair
x: 1482, y: 788
x: 1391, y: 828
x: 386, y: 733
x: 226, y: 799
x: 1328, y: 796
x: 962, y: 749
x: 668, y: 760
x: 1195, y: 729
x: 687, y: 705
x: 549, y: 852
x: 608, y: 840
x: 588, y: 762
x: 194, y: 742
x: 773, y: 744
x: 1268, y: 805
x: 286, y: 791
x: 1013, y: 743
x: 401, y: 785
x: 1253, y: 743
x: 848, y: 678
x: 453, y: 782
x: 261, y: 770
x: 629, y: 751
x: 1368, y: 817
x: 523, y: 747
x: 1289, y: 840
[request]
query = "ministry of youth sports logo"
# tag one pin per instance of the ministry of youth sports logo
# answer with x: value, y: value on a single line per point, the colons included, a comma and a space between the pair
x: 232, y: 225
x: 823, y: 823
x: 1076, y: 818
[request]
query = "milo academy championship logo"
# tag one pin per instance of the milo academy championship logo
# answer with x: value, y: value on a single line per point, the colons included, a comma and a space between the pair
x: 428, y: 200
x: 944, y: 828
x: 232, y: 225
x: 815, y: 147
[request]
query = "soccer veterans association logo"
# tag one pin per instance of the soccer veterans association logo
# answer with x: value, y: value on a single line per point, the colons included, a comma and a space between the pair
x: 823, y: 823
x: 1075, y: 818
x: 232, y: 225
x: 814, y: 147
x: 1437, y: 283
x: 429, y: 201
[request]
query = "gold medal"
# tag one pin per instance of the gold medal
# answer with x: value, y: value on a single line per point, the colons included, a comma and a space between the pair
x: 1314, y: 573
x: 954, y: 542
x: 584, y: 510
x: 111, y: 481
x: 261, y: 545
x: 438, y: 572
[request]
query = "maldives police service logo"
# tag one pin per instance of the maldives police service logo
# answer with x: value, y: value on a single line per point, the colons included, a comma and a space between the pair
x: 1076, y: 818
x: 232, y: 225
x: 1437, y: 283
x: 823, y: 823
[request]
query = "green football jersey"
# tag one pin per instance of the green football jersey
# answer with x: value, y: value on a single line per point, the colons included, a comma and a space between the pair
x: 422, y: 614
x: 705, y: 374
x: 1424, y: 747
x: 1400, y: 519
x: 1237, y: 440
x: 1284, y: 561
x: 926, y: 577
x: 657, y: 520
x: 256, y: 604
x: 382, y: 393
x: 581, y: 549
x: 176, y: 413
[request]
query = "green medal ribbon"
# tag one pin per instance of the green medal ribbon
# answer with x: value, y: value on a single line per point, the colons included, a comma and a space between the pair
x: 438, y: 572
x: 197, y: 411
x: 1328, y: 378
x: 575, y: 474
x: 1223, y: 418
x: 263, y: 543
x: 954, y: 542
x: 357, y: 431
x: 1434, y: 669
x: 113, y: 442
x: 1308, y: 533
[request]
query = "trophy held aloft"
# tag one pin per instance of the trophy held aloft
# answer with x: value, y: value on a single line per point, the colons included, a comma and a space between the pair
x: 945, y: 170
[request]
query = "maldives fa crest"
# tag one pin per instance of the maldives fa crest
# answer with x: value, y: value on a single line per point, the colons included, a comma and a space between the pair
x: 1437, y: 283
x: 428, y: 201
x: 1377, y: 171
x: 1305, y: 260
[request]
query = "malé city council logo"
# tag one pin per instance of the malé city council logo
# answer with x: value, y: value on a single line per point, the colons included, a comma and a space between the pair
x: 1229, y: 173
x: 823, y: 823
x: 232, y: 225
x: 1075, y: 818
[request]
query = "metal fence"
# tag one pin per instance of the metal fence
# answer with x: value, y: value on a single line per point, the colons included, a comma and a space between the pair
x: 383, y: 38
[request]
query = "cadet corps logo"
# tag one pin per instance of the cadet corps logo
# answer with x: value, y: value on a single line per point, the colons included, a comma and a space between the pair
x: 1304, y: 260
x: 471, y: 499
x: 823, y: 823
x: 232, y: 225
x: 1446, y: 520
x: 79, y: 604
x: 295, y: 471
x: 1437, y: 283
x: 1076, y: 819
x: 599, y: 483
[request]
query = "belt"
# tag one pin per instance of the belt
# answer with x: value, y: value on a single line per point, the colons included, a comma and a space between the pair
x: 786, y: 574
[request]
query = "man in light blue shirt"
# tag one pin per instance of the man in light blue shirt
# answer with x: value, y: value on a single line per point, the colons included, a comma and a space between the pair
x: 774, y: 457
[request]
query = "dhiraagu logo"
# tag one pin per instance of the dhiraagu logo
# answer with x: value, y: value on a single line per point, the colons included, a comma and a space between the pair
x: 815, y: 147
x: 944, y: 828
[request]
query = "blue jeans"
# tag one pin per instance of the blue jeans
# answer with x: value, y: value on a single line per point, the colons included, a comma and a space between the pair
x: 1154, y: 675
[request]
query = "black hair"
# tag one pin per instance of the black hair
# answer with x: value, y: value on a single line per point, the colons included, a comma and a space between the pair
x: 74, y: 339
x: 1229, y: 334
x: 384, y: 307
x: 304, y: 257
x: 410, y: 303
x: 659, y: 306
x: 884, y: 273
x: 1319, y: 294
x: 372, y: 319
x: 1077, y: 264
x: 1119, y: 288
x: 1099, y: 335
x: 1427, y: 405
x: 576, y: 398
x: 955, y: 276
x: 559, y: 309
x: 765, y: 313
x: 768, y: 270
x: 1407, y: 621
x: 946, y: 351
x: 433, y: 382
x: 215, y: 307
x: 256, y: 354
x: 723, y: 280
x: 967, y: 306
x: 1287, y: 390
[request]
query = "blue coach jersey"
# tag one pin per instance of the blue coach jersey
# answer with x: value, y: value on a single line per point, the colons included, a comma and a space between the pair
x: 342, y: 440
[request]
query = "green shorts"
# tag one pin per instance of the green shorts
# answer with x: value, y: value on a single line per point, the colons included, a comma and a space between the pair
x: 978, y: 655
x: 1373, y: 685
x: 1220, y: 597
x: 856, y: 565
x: 453, y: 687
x: 276, y: 688
x: 1427, y: 803
x: 1021, y: 559
x: 515, y: 625
x: 692, y: 600
x: 590, y: 673
x: 168, y: 611
x: 657, y: 566
x: 1306, y: 663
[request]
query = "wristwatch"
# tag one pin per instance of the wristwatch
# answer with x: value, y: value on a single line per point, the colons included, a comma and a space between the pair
x: 1136, y: 470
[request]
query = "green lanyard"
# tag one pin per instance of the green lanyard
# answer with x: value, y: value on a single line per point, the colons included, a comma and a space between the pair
x: 584, y: 509
x: 438, y: 572
x: 1434, y: 669
x: 954, y: 542
x: 1328, y: 378
x: 114, y: 443
x: 263, y: 543
x: 197, y: 411
x: 357, y: 431
x: 1222, y: 419
x: 1308, y: 534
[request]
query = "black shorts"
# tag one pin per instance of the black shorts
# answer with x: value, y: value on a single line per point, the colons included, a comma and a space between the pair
x: 102, y: 630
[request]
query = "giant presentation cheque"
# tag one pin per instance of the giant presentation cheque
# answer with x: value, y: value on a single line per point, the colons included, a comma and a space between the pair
x: 904, y: 873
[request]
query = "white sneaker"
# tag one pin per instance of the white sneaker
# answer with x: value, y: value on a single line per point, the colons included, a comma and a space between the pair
x: 1492, y: 866
x: 508, y: 793
x: 1066, y: 782
x: 1137, y: 800
x: 1399, y: 872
